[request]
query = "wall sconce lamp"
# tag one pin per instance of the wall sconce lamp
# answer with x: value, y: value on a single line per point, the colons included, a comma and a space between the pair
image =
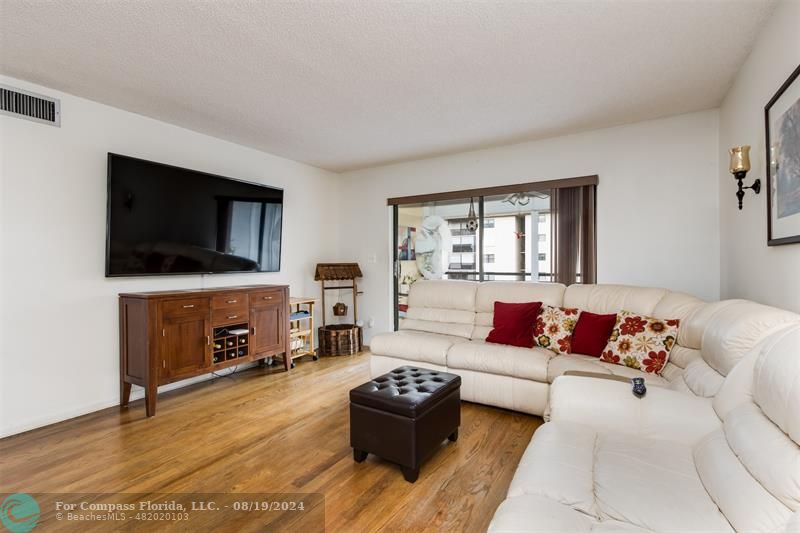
x: 740, y: 165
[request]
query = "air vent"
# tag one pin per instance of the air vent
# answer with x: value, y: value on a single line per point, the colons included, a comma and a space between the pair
x: 24, y: 104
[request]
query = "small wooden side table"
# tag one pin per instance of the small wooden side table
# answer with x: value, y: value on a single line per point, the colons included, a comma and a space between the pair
x: 301, y: 328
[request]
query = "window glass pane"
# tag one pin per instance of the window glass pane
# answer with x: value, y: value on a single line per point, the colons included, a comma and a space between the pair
x: 435, y: 242
x: 518, y: 240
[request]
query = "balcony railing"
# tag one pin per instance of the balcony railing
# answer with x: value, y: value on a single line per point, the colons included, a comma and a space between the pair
x: 491, y: 276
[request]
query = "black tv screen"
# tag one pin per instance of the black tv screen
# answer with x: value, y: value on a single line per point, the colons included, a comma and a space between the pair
x: 170, y: 220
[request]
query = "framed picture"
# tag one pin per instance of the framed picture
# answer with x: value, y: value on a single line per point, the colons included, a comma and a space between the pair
x: 782, y: 117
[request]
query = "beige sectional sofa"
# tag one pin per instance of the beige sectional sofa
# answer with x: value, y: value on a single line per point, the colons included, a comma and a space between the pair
x: 713, y: 446
x: 447, y: 322
x: 609, y: 462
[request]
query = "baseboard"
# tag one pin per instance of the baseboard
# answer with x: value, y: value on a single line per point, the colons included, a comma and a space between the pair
x: 60, y: 417
x: 137, y: 393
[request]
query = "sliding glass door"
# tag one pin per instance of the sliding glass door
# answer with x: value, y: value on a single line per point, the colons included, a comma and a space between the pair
x: 511, y: 234
x: 433, y: 241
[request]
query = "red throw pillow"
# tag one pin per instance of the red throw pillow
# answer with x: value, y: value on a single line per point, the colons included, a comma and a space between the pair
x: 591, y: 333
x: 514, y: 323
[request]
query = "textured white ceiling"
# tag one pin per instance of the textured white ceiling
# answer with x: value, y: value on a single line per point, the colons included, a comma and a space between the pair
x: 349, y: 84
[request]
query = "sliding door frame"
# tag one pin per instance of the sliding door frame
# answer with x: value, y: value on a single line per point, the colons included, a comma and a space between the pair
x: 495, y: 191
x: 395, y: 267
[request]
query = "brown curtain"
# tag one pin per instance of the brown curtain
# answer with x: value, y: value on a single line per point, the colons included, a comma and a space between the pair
x: 574, y: 241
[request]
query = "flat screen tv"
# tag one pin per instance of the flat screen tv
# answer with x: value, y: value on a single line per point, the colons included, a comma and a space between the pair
x: 169, y: 220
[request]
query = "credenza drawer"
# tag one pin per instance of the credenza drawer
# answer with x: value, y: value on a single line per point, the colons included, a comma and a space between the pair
x: 183, y: 307
x: 232, y: 315
x: 269, y: 297
x: 229, y: 301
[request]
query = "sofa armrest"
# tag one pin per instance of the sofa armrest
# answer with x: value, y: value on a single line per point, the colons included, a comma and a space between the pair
x: 610, y: 406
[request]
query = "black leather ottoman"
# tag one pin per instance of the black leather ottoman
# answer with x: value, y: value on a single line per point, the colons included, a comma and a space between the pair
x: 404, y: 416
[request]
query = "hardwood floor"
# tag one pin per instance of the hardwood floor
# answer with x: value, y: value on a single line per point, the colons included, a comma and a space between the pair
x: 266, y: 430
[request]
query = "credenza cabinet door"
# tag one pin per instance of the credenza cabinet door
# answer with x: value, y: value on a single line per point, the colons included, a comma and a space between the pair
x: 184, y: 345
x: 267, y: 328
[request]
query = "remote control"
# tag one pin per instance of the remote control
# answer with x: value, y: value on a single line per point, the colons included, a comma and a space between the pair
x: 639, y: 390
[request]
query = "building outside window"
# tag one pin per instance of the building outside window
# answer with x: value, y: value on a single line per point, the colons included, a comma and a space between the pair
x: 463, y: 249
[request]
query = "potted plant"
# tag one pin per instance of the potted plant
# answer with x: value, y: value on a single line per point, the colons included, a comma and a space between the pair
x: 406, y: 282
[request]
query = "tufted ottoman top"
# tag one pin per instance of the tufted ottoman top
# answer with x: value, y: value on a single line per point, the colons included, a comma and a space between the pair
x: 408, y: 390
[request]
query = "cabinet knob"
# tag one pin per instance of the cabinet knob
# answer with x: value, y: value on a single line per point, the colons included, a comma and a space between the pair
x: 188, y: 306
x: 268, y: 297
x: 232, y: 317
x: 231, y: 301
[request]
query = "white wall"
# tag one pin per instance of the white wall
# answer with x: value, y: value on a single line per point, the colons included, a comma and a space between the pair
x: 59, y: 342
x: 657, y: 202
x: 749, y: 268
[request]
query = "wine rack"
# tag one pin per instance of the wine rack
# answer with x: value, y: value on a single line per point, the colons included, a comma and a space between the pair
x: 230, y: 342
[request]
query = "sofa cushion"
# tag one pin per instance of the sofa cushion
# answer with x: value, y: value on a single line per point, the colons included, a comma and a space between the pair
x: 445, y: 307
x: 520, y: 513
x: 591, y: 333
x: 641, y: 342
x: 701, y: 379
x: 776, y: 382
x: 587, y: 363
x: 514, y: 323
x: 737, y: 328
x: 766, y: 452
x: 681, y: 356
x: 479, y: 356
x: 671, y: 372
x: 677, y: 305
x: 648, y: 483
x: 751, y: 467
x: 415, y: 346
x: 555, y: 450
x: 443, y: 294
x: 747, y: 505
x: 606, y: 299
x: 441, y: 328
x: 508, y: 392
x: 514, y: 292
x: 652, y: 484
x: 554, y: 328
x: 694, y: 324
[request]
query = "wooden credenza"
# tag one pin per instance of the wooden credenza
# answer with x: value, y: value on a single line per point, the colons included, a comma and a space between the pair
x: 168, y: 336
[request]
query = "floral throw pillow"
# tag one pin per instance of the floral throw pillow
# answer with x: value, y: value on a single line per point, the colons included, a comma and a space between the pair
x: 554, y: 328
x: 641, y: 342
